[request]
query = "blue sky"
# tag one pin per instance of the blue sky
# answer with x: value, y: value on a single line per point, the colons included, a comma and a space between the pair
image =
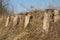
x: 25, y: 5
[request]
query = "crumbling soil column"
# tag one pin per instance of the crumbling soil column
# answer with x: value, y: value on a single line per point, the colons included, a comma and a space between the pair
x: 11, y: 19
x: 56, y: 15
x: 7, y: 21
x: 27, y: 19
x: 15, y: 20
x: 19, y: 19
x: 48, y: 17
x: 46, y: 22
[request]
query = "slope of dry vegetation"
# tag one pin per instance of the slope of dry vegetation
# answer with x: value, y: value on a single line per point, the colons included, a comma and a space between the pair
x: 32, y: 32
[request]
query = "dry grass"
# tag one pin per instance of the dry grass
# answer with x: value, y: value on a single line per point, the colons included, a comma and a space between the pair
x: 33, y: 30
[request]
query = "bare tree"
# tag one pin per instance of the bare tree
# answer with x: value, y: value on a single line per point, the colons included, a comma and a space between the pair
x: 2, y: 7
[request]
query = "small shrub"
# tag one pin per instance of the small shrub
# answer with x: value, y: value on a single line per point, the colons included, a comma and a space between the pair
x: 29, y: 26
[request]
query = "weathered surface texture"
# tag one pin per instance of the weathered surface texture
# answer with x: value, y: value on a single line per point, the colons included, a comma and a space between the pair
x: 27, y: 18
x: 46, y: 22
x: 56, y: 15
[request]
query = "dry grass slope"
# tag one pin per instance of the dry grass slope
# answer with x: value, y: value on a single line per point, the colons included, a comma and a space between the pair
x: 33, y: 30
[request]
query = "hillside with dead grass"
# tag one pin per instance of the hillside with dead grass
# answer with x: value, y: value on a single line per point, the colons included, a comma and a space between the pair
x: 33, y: 31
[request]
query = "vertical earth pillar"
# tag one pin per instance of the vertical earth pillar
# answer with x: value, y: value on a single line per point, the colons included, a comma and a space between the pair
x: 7, y: 21
x: 27, y: 19
x: 15, y: 20
x: 56, y: 15
x: 46, y: 22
